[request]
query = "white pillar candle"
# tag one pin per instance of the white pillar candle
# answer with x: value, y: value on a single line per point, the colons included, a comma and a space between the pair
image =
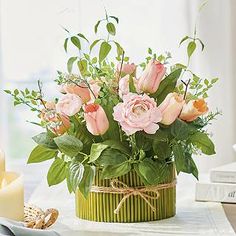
x: 11, y: 196
x: 2, y: 161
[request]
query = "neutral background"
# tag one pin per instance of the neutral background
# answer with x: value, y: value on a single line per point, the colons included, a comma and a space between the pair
x: 31, y: 48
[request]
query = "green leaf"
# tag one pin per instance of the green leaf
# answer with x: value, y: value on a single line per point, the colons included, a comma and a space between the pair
x: 40, y: 154
x: 83, y: 37
x: 183, y: 39
x: 115, y: 18
x: 96, y: 151
x: 68, y: 183
x: 178, y: 152
x: 76, y: 171
x: 7, y: 91
x: 190, y: 166
x: 69, y: 145
x: 87, y: 180
x: 162, y: 135
x: 153, y: 172
x: 70, y: 63
x: 45, y: 140
x: 82, y: 64
x: 57, y: 172
x: 214, y: 80
x: 191, y: 48
x: 180, y: 130
x: 114, y: 144
x: 136, y: 168
x: 111, y: 157
x: 113, y: 171
x: 16, y: 92
x: 184, y: 161
x: 150, y: 51
x: 111, y: 28
x: 93, y: 44
x: 65, y: 44
x: 113, y: 131
x: 167, y: 85
x: 119, y: 49
x: 142, y: 141
x: 76, y: 42
x: 132, y: 88
x: 105, y: 48
x: 94, y: 60
x: 161, y: 149
x: 202, y: 44
x: 179, y: 65
x: 85, y: 137
x: 96, y: 26
x: 203, y: 142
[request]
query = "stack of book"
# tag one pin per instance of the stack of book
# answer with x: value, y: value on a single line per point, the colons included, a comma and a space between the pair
x: 221, y: 187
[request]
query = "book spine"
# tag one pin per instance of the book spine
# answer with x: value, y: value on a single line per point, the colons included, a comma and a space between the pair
x: 216, y: 192
x: 222, y: 177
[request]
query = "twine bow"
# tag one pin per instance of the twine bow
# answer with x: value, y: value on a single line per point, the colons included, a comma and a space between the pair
x: 118, y: 187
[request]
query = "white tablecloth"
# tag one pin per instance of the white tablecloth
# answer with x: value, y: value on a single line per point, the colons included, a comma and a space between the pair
x: 193, y: 218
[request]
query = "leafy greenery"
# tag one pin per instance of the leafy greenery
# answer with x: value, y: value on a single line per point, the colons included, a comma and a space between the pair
x: 87, y: 180
x: 40, y: 154
x: 77, y: 154
x: 203, y: 142
x: 46, y: 140
x: 57, y: 172
x: 96, y: 151
x: 75, y: 175
x: 69, y: 144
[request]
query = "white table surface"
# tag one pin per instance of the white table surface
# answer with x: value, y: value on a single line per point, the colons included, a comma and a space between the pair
x: 193, y: 218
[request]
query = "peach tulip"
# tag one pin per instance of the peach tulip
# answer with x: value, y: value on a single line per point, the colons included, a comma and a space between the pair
x: 50, y: 105
x: 193, y: 109
x: 96, y: 119
x: 152, y: 76
x: 127, y: 69
x: 171, y: 108
x: 62, y: 126
x: 57, y: 123
x: 81, y: 90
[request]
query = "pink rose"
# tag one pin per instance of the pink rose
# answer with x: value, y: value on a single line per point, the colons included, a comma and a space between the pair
x: 96, y: 119
x: 171, y: 108
x: 127, y: 69
x: 152, y: 76
x: 69, y: 105
x: 193, y: 109
x: 136, y: 113
x: 79, y: 90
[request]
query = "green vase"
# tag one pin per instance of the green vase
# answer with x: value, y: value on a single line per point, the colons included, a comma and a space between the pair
x: 100, y: 206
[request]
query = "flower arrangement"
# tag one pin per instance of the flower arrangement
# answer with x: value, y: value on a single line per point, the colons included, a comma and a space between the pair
x: 118, y: 117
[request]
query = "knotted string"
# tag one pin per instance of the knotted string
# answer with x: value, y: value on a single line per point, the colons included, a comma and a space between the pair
x: 118, y: 187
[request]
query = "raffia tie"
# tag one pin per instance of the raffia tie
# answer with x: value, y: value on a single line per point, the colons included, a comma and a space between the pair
x: 118, y: 187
